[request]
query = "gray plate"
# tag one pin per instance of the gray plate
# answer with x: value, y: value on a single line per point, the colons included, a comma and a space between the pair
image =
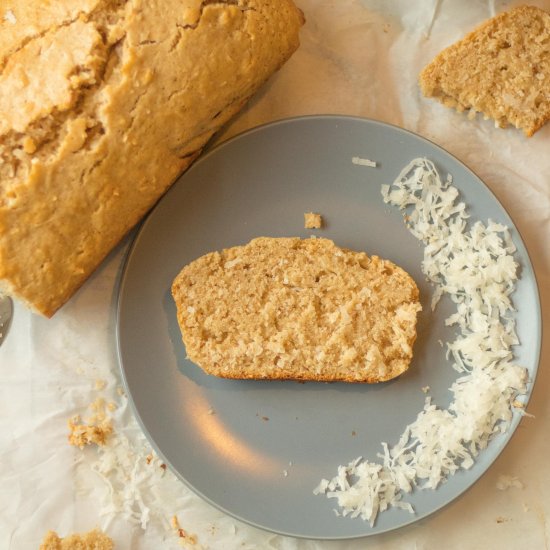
x: 260, y: 184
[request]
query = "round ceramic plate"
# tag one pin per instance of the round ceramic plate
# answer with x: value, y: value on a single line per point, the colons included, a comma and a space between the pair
x: 257, y: 449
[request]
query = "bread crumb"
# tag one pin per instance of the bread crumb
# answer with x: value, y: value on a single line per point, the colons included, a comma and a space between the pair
x: 426, y: 389
x: 84, y: 434
x: 185, y: 539
x: 93, y: 540
x: 312, y: 220
x: 100, y: 384
x: 501, y: 519
x: 96, y: 429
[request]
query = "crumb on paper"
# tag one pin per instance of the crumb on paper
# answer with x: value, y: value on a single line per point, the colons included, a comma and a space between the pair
x: 386, y: 27
x: 149, y: 458
x: 185, y: 539
x: 120, y: 391
x: 112, y: 406
x: 518, y: 404
x: 312, y: 220
x: 81, y: 434
x: 211, y: 411
x: 95, y: 429
x: 353, y: 433
x: 96, y: 540
x: 502, y: 519
x: 505, y: 482
x: 100, y: 384
x: 285, y: 473
x: 526, y: 508
x: 364, y: 162
x: 426, y: 389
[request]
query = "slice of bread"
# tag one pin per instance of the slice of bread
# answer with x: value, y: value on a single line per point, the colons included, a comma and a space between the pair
x: 300, y: 309
x: 501, y: 69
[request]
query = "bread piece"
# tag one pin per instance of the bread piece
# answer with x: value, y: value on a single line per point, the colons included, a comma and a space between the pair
x: 286, y: 308
x: 312, y: 220
x: 501, y: 69
x: 93, y: 540
x: 103, y: 103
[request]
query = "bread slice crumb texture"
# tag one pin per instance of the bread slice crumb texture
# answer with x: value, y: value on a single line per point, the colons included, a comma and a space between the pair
x: 93, y: 540
x: 501, y: 69
x: 301, y: 309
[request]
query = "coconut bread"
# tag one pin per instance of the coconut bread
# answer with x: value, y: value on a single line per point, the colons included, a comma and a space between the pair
x: 93, y: 540
x: 300, y: 309
x: 500, y: 69
x: 103, y: 103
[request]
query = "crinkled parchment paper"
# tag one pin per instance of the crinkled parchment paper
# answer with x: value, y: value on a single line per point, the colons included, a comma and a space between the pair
x: 358, y: 57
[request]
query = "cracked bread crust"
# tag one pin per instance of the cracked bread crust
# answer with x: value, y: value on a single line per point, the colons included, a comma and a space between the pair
x: 287, y: 308
x: 103, y: 103
x: 500, y: 69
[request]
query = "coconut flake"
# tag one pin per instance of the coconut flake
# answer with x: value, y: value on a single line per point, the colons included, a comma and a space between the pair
x: 363, y: 162
x: 472, y: 265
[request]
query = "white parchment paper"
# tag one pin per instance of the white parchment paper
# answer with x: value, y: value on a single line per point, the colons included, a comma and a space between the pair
x: 358, y: 57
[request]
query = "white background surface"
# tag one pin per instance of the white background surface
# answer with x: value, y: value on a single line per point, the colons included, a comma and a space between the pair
x: 358, y: 57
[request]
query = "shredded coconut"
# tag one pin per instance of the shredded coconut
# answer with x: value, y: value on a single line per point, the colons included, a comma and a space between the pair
x: 364, y: 162
x: 9, y: 17
x: 475, y: 267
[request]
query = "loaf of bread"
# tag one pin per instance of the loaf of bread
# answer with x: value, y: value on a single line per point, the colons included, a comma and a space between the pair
x: 301, y: 309
x: 501, y: 69
x: 103, y: 103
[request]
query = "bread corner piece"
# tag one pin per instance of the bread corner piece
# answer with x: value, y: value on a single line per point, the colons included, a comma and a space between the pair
x: 93, y: 540
x: 299, y: 309
x: 102, y: 106
x: 501, y: 69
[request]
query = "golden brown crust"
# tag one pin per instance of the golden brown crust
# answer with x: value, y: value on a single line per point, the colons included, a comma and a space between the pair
x: 124, y: 97
x: 293, y: 309
x: 500, y: 69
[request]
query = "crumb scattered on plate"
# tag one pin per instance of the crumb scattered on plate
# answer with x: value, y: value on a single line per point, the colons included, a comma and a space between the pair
x: 312, y: 220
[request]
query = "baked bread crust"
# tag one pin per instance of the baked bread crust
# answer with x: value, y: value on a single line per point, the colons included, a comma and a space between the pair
x: 103, y: 103
x: 300, y: 309
x: 501, y: 69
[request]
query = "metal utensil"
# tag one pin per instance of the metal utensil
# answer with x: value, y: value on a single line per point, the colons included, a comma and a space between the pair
x: 6, y: 313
